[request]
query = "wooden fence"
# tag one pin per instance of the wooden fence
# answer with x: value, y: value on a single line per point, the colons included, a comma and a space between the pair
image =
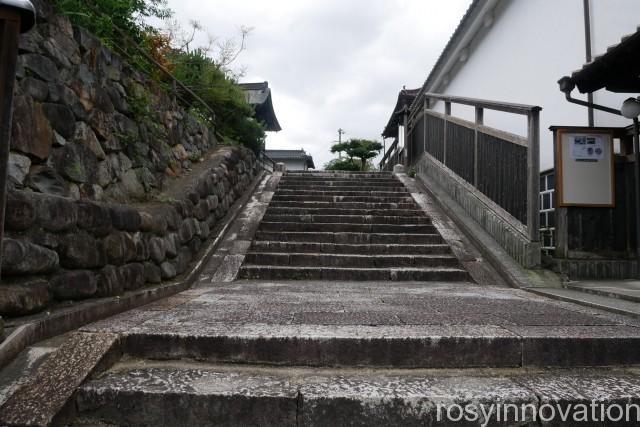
x: 502, y: 166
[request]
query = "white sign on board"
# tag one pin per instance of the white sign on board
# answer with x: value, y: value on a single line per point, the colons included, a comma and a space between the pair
x: 585, y: 162
x: 587, y: 147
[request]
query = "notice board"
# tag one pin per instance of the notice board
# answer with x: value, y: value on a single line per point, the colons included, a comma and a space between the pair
x: 586, y: 174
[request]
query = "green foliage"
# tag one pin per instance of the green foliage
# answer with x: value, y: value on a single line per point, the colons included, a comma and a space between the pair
x: 234, y: 116
x: 363, y: 149
x: 412, y: 173
x: 209, y: 80
x: 342, y: 165
x: 340, y: 147
x: 100, y: 17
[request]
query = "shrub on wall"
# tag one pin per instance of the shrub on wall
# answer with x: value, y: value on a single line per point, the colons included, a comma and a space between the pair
x: 203, y: 76
x: 210, y: 81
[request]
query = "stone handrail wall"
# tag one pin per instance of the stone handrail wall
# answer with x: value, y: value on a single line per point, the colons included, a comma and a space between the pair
x: 86, y: 125
x: 59, y: 249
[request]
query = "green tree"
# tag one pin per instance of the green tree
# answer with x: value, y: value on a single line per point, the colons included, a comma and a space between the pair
x: 340, y: 148
x: 342, y: 165
x: 363, y: 149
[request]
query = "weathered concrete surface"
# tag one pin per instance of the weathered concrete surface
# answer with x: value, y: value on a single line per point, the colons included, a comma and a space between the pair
x: 192, y: 394
x: 440, y: 325
x: 46, y: 393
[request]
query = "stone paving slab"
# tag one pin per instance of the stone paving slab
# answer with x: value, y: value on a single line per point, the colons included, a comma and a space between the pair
x: 375, y: 324
x: 39, y: 400
x: 159, y: 397
x: 188, y: 393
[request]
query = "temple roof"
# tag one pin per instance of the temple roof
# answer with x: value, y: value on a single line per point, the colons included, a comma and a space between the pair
x: 405, y: 98
x: 291, y: 155
x: 259, y: 95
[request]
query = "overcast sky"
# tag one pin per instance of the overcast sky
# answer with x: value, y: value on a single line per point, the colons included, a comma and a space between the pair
x: 331, y: 63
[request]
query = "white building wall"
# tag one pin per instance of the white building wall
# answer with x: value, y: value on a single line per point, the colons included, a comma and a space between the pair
x: 531, y: 44
x: 294, y: 165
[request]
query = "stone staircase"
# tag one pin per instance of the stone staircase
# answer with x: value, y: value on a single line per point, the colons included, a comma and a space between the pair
x: 346, y: 352
x: 348, y: 226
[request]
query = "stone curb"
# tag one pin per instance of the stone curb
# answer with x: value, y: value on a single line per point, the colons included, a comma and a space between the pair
x: 45, y: 326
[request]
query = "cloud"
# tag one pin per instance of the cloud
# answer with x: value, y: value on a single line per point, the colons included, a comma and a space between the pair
x: 331, y: 63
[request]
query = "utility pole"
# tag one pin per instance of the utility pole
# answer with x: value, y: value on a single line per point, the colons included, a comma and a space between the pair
x: 340, y: 133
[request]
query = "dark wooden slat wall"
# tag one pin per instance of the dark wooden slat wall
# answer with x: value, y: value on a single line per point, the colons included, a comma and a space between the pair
x: 600, y: 231
x: 460, y: 150
x: 502, y: 174
x: 502, y: 165
x: 435, y: 137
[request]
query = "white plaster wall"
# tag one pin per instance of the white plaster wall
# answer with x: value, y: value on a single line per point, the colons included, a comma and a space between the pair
x: 531, y: 44
x: 294, y: 165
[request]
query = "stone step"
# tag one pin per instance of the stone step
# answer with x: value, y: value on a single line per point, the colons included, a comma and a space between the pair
x: 443, y: 274
x: 349, y: 238
x: 336, y: 185
x: 346, y: 185
x: 352, y: 219
x: 343, y: 175
x: 331, y: 192
x: 350, y: 260
x: 336, y: 179
x: 312, y: 247
x: 338, y: 200
x: 195, y: 394
x: 348, y: 227
x: 307, y: 204
x: 338, y: 211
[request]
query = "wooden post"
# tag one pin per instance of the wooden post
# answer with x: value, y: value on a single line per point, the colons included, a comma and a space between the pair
x: 533, y: 176
x: 10, y: 19
x: 479, y: 122
x: 424, y: 126
x: 636, y: 176
x: 405, y: 137
x: 447, y: 112
x: 562, y: 244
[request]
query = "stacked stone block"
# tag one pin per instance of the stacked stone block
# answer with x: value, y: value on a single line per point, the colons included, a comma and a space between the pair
x: 59, y: 249
x: 88, y: 126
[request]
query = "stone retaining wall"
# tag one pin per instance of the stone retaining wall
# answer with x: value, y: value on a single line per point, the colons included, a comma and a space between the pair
x: 58, y: 249
x: 88, y: 126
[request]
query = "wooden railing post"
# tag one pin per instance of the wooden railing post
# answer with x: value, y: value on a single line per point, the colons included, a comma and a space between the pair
x: 405, y: 137
x: 533, y: 176
x: 447, y: 112
x: 479, y: 122
x: 424, y: 126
